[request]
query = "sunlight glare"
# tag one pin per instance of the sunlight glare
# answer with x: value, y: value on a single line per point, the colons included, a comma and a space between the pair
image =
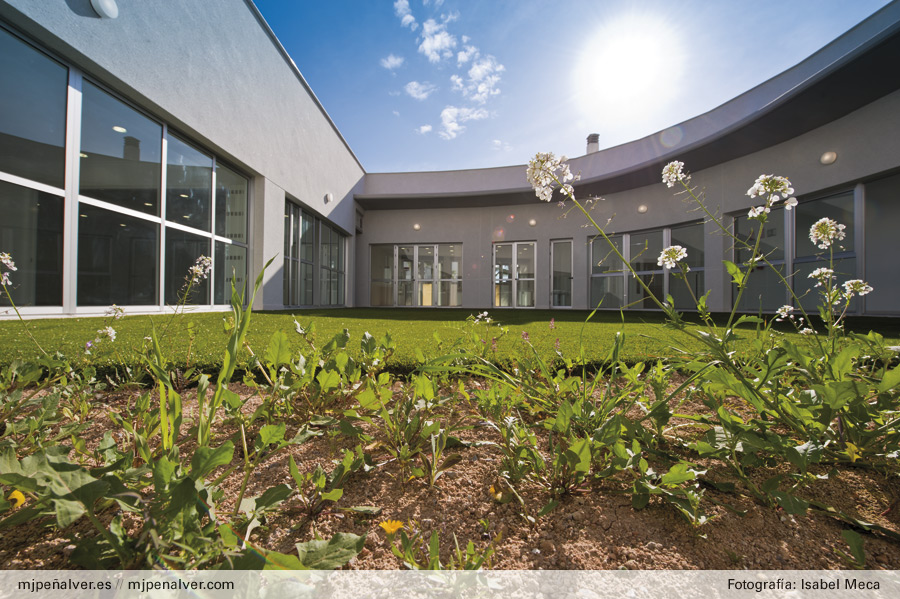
x: 630, y: 69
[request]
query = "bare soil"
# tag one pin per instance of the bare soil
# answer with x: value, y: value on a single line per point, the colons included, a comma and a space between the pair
x: 595, y: 528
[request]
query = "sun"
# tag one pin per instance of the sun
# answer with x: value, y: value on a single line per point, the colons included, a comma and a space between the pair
x: 630, y: 69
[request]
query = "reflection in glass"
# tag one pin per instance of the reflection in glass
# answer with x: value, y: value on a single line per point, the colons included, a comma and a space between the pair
x: 603, y: 259
x: 882, y: 216
x: 562, y: 274
x: 405, y: 293
x: 382, y: 275
x: 188, y: 185
x: 449, y: 261
x: 771, y: 243
x: 645, y: 250
x: 32, y: 113
x: 120, y: 153
x: 231, y: 204
x: 182, y: 251
x: 503, y: 294
x: 764, y: 290
x: 680, y: 289
x: 503, y: 262
x: 525, y: 260
x: 118, y: 258
x: 607, y: 292
x: 231, y: 266
x: 691, y: 238
x: 451, y: 293
x: 638, y: 297
x: 31, y: 232
x: 525, y: 293
x: 810, y: 295
x: 405, y: 260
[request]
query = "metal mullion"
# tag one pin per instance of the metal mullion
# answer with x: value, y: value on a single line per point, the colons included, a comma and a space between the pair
x: 212, y: 242
x: 164, y: 160
x: 70, y: 194
x: 43, y: 187
x: 859, y: 242
x: 395, y: 276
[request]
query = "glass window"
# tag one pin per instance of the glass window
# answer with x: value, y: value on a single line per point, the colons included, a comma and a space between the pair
x: 182, y: 251
x: 514, y: 272
x: 681, y: 290
x: 32, y: 113
x: 231, y: 266
x: 764, y: 291
x: 561, y: 277
x: 691, y: 238
x: 450, y: 260
x: 331, y: 273
x: 645, y: 250
x: 382, y: 275
x: 120, y: 153
x: 882, y: 216
x: 771, y: 243
x: 231, y: 204
x: 603, y: 259
x: 608, y: 291
x: 839, y: 209
x: 118, y: 259
x: 188, y: 185
x: 31, y: 232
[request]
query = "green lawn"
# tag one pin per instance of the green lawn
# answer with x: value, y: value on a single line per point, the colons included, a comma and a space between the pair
x: 410, y: 329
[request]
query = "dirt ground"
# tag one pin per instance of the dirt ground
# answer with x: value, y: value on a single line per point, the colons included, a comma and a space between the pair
x: 595, y: 528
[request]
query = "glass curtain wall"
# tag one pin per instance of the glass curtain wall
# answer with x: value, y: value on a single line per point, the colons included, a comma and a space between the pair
x: 312, y: 246
x: 607, y: 289
x: 142, y: 199
x: 423, y: 275
x: 685, y: 291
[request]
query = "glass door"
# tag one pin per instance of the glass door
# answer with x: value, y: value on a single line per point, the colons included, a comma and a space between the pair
x: 561, y: 274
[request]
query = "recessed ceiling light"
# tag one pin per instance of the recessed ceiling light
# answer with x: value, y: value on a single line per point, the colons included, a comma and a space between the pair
x: 148, y: 204
x: 122, y: 225
x: 186, y: 216
x: 184, y: 195
x: 828, y: 158
x: 119, y: 129
x: 642, y: 208
x: 83, y: 215
x: 83, y: 155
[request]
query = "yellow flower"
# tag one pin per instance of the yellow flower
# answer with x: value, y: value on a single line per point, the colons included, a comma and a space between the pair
x: 391, y: 526
x: 17, y: 498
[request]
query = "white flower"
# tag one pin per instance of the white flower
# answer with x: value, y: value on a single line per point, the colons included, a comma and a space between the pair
x: 825, y: 231
x: 546, y: 172
x: 772, y: 186
x: 7, y: 261
x: 670, y: 256
x: 807, y: 331
x: 109, y: 332
x: 821, y: 275
x: 4, y: 279
x: 790, y: 203
x: 758, y: 211
x: 673, y: 173
x: 115, y: 311
x: 200, y: 269
x: 784, y: 311
x: 857, y: 286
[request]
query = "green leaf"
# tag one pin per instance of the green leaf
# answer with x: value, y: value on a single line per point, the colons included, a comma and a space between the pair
x: 279, y: 351
x: 579, y: 455
x: 856, y: 545
x: 271, y: 433
x: 548, y: 507
x: 365, y: 510
x: 282, y: 561
x: 734, y: 270
x: 333, y: 495
x: 328, y: 379
x: 207, y: 459
x: 271, y: 497
x: 791, y: 504
x: 331, y: 554
x: 677, y: 474
x: 890, y: 380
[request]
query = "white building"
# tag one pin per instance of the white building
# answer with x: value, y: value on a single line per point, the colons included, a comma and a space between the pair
x: 130, y: 146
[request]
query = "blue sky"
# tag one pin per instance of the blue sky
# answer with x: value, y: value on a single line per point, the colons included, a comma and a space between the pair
x: 419, y: 85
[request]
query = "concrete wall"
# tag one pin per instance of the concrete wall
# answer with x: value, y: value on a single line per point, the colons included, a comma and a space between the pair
x: 866, y: 141
x: 214, y: 72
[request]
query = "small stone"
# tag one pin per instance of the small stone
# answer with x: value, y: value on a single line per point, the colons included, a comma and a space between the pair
x: 546, y: 546
x: 631, y: 565
x: 654, y: 545
x: 536, y: 551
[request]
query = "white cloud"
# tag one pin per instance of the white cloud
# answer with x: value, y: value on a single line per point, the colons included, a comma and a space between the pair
x: 424, y: 129
x: 437, y: 3
x: 396, y: 112
x: 466, y: 55
x: 419, y: 91
x: 401, y: 9
x: 392, y: 62
x: 436, y: 42
x: 501, y: 146
x: 483, y: 78
x: 452, y: 117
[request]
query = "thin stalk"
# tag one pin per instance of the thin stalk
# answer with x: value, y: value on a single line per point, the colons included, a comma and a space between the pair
x: 22, y: 320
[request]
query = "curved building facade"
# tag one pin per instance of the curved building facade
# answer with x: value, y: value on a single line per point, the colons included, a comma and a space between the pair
x: 124, y: 157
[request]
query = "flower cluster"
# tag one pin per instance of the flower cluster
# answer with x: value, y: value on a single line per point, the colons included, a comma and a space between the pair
x: 784, y: 312
x: 200, y: 269
x: 545, y: 172
x: 115, y: 312
x: 856, y: 287
x: 825, y: 231
x: 821, y: 275
x: 774, y: 189
x: 673, y: 173
x: 671, y: 256
x: 483, y: 317
x: 107, y: 332
x: 7, y: 261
